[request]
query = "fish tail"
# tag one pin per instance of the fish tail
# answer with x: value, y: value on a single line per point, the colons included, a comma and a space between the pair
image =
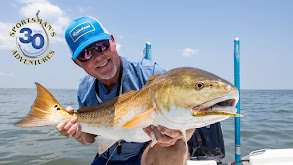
x: 215, y: 112
x: 45, y: 111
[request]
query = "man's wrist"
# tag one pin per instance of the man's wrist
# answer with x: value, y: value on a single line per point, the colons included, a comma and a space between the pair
x: 86, y: 138
x: 80, y: 137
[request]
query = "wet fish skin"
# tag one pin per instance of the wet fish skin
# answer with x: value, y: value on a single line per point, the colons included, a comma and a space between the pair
x: 171, y: 100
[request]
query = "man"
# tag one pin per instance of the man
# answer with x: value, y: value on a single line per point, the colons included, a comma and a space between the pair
x: 94, y: 50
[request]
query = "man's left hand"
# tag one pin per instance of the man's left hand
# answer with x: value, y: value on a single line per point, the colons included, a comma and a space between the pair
x: 165, y: 137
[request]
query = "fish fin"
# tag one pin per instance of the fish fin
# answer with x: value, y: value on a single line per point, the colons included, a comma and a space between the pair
x: 141, y: 120
x: 109, y: 103
x: 104, y: 143
x: 44, y: 107
x: 151, y: 79
x: 102, y: 106
x: 126, y: 95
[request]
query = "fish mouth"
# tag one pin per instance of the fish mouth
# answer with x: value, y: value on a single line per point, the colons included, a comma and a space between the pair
x: 220, y: 106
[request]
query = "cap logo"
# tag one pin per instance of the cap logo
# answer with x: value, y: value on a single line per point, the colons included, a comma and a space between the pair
x: 81, y: 30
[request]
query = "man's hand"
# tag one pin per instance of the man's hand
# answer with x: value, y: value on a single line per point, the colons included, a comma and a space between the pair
x: 165, y: 137
x: 69, y: 128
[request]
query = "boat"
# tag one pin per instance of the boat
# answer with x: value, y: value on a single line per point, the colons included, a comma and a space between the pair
x: 257, y: 157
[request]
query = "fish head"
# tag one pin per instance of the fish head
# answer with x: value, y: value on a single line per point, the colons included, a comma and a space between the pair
x: 196, y: 97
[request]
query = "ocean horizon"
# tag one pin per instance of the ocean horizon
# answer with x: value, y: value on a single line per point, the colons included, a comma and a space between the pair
x: 267, y: 123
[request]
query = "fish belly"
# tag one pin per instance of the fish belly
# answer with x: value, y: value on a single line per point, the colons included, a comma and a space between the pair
x: 127, y: 134
x: 174, y: 118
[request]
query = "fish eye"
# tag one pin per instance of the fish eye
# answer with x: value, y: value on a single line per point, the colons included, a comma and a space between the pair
x: 199, y: 85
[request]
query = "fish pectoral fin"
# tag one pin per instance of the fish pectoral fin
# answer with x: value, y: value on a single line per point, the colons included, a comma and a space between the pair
x: 141, y: 120
x: 104, y: 143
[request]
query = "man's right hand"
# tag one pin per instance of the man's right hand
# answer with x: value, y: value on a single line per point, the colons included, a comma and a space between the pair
x: 70, y: 128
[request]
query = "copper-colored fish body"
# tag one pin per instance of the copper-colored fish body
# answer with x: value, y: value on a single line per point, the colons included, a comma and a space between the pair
x: 179, y: 99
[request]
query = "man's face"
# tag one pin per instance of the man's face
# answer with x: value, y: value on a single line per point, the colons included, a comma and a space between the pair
x: 103, y: 65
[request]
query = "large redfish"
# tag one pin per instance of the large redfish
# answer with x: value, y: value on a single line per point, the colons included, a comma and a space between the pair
x: 179, y: 99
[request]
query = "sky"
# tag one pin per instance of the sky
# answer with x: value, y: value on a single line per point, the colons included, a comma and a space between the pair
x: 182, y: 33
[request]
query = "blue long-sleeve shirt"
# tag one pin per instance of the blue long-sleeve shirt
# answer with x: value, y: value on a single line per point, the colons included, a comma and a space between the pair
x: 135, y: 75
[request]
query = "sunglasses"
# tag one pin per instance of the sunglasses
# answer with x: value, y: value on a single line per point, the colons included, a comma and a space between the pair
x: 87, y: 53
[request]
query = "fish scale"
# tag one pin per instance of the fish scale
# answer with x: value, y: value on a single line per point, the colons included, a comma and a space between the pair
x: 173, y: 100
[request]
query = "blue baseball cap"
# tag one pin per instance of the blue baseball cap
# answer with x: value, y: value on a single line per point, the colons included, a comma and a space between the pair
x: 82, y: 32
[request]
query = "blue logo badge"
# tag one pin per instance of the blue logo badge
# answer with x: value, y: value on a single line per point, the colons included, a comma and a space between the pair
x: 32, y: 40
x: 81, y: 30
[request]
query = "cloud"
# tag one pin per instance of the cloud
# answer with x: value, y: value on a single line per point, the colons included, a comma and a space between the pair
x: 6, y: 74
x: 13, y: 5
x: 81, y: 10
x: 120, y: 37
x: 48, y: 12
x: 6, y: 42
x: 189, y: 52
x: 118, y: 46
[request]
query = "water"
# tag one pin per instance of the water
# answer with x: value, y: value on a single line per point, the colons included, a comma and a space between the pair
x: 268, y: 123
